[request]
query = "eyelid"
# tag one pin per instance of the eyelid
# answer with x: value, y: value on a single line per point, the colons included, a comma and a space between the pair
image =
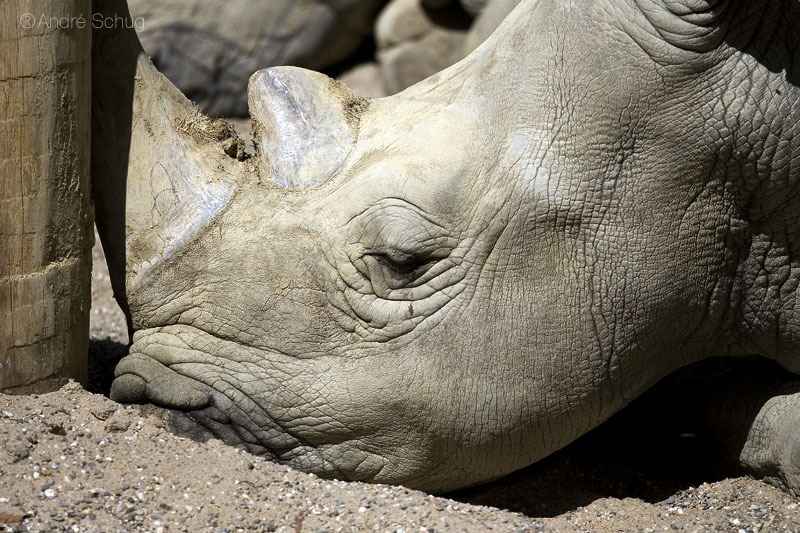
x: 401, y: 253
x: 391, y: 204
x: 431, y: 245
x: 387, y: 220
x: 400, y: 256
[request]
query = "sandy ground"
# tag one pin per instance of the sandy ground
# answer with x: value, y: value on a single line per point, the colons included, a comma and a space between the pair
x: 74, y: 460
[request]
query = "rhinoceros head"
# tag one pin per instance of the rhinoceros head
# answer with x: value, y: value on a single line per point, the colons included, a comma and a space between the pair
x: 445, y: 285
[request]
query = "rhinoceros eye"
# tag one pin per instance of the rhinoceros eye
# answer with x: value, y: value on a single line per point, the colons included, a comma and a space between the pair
x: 393, y: 269
x: 404, y: 262
x: 397, y: 245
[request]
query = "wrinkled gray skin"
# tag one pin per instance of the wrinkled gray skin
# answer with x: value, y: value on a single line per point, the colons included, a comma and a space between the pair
x: 210, y: 48
x: 465, y: 277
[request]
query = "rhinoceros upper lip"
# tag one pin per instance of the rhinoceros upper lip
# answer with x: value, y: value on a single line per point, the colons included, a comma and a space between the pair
x: 140, y: 378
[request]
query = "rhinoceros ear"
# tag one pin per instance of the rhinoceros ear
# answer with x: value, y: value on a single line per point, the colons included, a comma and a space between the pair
x: 304, y: 124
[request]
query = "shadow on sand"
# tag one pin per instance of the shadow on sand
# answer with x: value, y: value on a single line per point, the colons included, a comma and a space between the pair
x: 103, y: 358
x: 651, y: 450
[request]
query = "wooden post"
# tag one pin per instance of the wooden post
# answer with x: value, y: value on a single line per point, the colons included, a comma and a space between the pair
x: 45, y: 206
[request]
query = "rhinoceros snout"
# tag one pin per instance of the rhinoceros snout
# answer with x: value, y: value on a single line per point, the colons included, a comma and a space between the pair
x: 142, y: 379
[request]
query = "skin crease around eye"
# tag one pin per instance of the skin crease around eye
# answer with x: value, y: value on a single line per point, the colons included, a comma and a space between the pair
x: 399, y: 245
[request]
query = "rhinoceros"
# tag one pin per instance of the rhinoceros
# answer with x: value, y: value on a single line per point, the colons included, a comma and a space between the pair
x: 442, y: 286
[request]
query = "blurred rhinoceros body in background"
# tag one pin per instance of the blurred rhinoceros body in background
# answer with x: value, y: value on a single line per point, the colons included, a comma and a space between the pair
x: 209, y: 49
x: 418, y: 38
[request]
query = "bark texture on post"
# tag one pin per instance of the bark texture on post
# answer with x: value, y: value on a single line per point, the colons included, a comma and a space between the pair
x: 45, y: 206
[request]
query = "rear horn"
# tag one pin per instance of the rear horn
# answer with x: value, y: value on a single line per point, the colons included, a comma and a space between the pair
x: 304, y: 124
